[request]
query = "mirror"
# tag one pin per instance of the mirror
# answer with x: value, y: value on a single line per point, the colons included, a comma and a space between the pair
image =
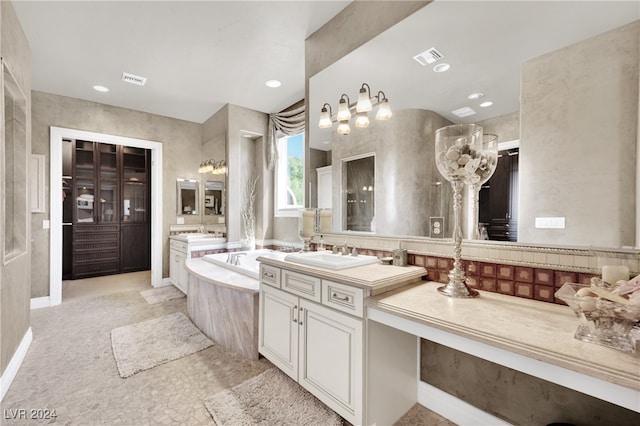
x: 516, y: 51
x: 187, y: 197
x: 359, y: 195
x: 213, y: 198
x: 14, y: 147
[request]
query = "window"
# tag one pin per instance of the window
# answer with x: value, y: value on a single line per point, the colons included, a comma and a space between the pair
x: 289, y: 180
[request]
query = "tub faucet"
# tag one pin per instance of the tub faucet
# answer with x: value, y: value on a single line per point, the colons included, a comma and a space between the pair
x: 236, y: 256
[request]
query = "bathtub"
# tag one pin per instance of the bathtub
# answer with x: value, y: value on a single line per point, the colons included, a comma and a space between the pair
x: 243, y: 262
x: 222, y: 298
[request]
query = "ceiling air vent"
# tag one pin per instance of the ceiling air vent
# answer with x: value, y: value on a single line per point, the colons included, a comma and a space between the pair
x: 133, y: 79
x: 428, y: 56
x: 464, y: 112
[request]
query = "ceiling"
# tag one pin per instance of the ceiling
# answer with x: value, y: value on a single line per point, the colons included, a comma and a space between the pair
x: 485, y: 42
x: 197, y: 56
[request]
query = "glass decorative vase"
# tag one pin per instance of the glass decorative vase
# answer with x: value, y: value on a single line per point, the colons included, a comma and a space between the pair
x: 488, y: 163
x: 307, y: 225
x: 458, y: 156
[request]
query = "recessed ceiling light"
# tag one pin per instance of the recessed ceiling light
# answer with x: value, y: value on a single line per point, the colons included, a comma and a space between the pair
x: 441, y: 67
x: 476, y: 95
x: 486, y: 104
x: 464, y: 112
x: 273, y: 83
x: 99, y: 88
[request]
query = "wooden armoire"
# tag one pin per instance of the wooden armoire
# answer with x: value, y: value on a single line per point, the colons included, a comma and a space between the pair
x: 106, y: 210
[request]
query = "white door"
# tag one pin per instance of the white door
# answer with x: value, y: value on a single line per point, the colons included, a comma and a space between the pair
x: 278, y: 329
x: 331, y: 361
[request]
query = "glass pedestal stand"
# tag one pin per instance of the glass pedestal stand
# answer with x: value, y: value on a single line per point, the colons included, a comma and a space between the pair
x: 457, y: 287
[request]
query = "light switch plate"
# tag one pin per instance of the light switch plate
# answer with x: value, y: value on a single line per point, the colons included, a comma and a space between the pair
x: 46, y: 224
x: 180, y: 220
x: 550, y: 222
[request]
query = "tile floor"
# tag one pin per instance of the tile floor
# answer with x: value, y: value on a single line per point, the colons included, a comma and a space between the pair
x: 70, y: 367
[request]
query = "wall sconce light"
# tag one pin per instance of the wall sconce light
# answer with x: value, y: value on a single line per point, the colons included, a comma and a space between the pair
x: 213, y: 167
x: 361, y: 108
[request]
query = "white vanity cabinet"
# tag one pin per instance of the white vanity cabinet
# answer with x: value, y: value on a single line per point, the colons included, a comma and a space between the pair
x: 319, y: 347
x: 180, y: 248
x: 178, y: 251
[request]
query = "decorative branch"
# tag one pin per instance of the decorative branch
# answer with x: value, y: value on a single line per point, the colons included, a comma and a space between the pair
x: 247, y: 212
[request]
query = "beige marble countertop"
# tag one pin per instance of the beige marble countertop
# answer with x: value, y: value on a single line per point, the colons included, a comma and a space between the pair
x: 220, y: 276
x: 538, y: 330
x: 376, y: 278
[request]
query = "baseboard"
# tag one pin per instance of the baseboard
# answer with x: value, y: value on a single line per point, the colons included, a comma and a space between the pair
x: 165, y: 282
x: 40, y: 302
x: 14, y: 365
x: 454, y: 409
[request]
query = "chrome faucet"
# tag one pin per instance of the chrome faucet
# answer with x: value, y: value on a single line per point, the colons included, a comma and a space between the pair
x: 236, y: 257
x: 340, y: 248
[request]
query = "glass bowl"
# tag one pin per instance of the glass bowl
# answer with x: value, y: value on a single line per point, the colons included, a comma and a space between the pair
x: 605, y: 322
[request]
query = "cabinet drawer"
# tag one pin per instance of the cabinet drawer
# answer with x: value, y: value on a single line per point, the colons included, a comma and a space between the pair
x: 302, y: 285
x: 178, y: 245
x: 270, y: 275
x: 342, y: 297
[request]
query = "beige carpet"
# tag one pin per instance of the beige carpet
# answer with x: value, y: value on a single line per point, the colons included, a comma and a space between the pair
x: 162, y: 294
x: 144, y: 345
x: 271, y: 398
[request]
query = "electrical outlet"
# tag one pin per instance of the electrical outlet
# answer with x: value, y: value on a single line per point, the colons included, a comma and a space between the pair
x: 436, y: 227
x: 180, y: 220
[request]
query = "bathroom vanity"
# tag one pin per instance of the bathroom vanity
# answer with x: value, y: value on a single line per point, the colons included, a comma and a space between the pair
x: 180, y: 248
x: 352, y: 338
x: 313, y: 327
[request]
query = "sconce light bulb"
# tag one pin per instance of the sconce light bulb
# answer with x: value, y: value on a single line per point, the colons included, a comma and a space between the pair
x: 364, y: 101
x: 362, y: 120
x: 343, y: 110
x: 384, y: 110
x: 344, y: 128
x: 325, y: 119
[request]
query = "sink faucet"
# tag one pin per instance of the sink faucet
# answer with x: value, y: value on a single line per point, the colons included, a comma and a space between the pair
x: 340, y: 249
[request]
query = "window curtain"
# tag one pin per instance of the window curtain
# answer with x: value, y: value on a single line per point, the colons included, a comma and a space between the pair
x: 288, y: 123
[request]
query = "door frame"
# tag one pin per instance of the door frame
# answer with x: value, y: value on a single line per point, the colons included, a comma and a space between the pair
x: 56, y: 135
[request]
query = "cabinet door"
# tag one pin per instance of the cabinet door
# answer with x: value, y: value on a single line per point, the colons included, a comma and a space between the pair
x: 278, y: 330
x: 173, y: 267
x: 331, y: 360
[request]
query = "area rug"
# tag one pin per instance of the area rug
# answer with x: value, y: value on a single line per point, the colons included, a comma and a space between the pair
x: 270, y: 398
x: 147, y: 344
x: 162, y: 294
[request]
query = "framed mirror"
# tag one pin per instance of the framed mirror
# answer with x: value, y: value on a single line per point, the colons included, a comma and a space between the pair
x: 187, y: 197
x: 214, y: 203
x: 14, y: 147
x: 542, y: 94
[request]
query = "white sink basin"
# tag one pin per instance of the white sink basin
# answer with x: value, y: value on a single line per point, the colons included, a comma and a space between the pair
x: 328, y: 260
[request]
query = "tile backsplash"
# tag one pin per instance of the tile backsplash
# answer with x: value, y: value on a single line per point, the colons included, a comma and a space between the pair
x: 522, y: 271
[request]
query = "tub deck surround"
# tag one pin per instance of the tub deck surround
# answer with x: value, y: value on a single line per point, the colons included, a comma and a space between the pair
x: 224, y: 305
x: 376, y: 278
x: 529, y: 336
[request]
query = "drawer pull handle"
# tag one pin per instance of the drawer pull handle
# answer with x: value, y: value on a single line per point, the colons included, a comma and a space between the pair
x: 344, y: 299
x: 302, y: 313
x: 268, y: 275
x: 293, y: 313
